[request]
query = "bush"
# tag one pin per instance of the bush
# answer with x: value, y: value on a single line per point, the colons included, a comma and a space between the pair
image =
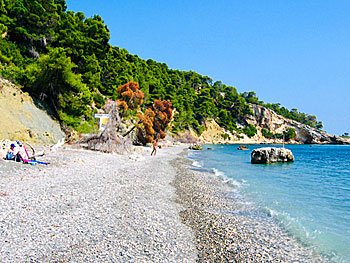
x: 289, y: 134
x: 154, y: 121
x: 87, y: 127
x: 250, y: 130
x: 267, y: 134
x: 225, y: 136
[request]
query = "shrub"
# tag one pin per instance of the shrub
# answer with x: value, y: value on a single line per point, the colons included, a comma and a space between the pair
x: 250, y: 130
x: 289, y: 134
x: 267, y: 134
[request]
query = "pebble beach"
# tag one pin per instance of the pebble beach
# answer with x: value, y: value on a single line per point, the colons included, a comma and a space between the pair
x: 88, y: 206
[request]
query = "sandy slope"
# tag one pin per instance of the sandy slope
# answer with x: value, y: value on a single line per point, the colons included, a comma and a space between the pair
x: 21, y: 120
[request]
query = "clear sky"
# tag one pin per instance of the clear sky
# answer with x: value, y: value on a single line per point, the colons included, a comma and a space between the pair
x: 294, y: 52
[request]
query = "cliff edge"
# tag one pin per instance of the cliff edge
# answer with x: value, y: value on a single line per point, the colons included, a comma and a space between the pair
x: 264, y: 118
x: 271, y: 121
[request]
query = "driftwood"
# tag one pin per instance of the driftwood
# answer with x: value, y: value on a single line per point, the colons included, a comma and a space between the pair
x: 46, y: 151
x: 108, y: 140
x: 133, y: 128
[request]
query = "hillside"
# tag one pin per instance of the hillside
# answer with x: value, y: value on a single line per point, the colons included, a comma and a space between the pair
x: 64, y: 60
x: 274, y: 123
x: 21, y: 120
x: 270, y: 127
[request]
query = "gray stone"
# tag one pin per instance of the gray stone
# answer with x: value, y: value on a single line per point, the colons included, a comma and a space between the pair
x: 272, y: 155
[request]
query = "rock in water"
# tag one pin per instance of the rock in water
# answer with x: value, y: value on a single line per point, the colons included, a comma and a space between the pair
x: 242, y: 147
x: 272, y: 155
x: 196, y: 147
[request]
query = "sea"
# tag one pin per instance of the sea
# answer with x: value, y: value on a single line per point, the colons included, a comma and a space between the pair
x: 309, y: 198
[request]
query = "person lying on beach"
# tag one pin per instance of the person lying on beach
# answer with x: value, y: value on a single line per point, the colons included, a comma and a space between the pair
x: 12, y: 155
x: 154, y: 147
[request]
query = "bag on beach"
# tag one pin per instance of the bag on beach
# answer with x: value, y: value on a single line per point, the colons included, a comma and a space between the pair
x: 18, y: 158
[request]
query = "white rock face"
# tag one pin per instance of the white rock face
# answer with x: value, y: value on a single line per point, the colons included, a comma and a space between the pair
x: 272, y: 155
x: 268, y: 119
x: 264, y: 118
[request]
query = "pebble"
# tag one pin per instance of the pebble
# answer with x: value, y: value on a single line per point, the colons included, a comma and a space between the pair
x: 93, y: 207
x: 226, y: 230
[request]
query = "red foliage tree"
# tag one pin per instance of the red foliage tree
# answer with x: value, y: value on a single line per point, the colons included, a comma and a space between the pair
x: 163, y: 115
x: 154, y: 121
x: 131, y: 94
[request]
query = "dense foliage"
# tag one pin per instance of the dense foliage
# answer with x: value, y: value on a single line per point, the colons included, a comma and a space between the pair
x: 64, y: 60
x: 289, y: 134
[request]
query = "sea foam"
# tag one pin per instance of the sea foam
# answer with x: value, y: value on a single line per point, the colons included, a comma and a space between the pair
x: 221, y: 175
x: 197, y: 164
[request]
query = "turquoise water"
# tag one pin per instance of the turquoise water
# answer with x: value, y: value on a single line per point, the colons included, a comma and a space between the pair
x: 310, y: 198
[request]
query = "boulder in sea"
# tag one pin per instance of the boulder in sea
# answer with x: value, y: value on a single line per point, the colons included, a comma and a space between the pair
x: 242, y: 147
x: 272, y: 155
x: 196, y: 147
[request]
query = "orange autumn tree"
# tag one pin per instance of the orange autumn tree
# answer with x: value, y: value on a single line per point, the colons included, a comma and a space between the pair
x: 164, y: 114
x: 146, y: 133
x: 132, y: 96
x: 154, y: 121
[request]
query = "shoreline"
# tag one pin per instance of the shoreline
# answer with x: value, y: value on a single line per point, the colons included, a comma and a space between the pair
x: 93, y: 207
x: 227, y: 230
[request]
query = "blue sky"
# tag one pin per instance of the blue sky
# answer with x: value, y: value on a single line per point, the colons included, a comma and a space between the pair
x: 293, y: 52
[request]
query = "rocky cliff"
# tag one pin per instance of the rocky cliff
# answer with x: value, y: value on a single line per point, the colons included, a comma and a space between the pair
x: 21, y: 120
x: 264, y: 118
x: 268, y: 119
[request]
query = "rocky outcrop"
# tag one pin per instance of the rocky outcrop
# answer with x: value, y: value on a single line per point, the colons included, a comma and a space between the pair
x: 242, y: 147
x: 268, y: 119
x: 212, y: 133
x: 215, y: 134
x: 264, y: 118
x: 196, y: 147
x: 272, y: 155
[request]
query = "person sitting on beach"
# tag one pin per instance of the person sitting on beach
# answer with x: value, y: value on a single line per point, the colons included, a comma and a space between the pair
x: 12, y: 155
x: 154, y: 147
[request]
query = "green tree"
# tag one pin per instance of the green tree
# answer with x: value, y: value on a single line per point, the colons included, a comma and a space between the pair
x: 52, y: 80
x: 289, y: 134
